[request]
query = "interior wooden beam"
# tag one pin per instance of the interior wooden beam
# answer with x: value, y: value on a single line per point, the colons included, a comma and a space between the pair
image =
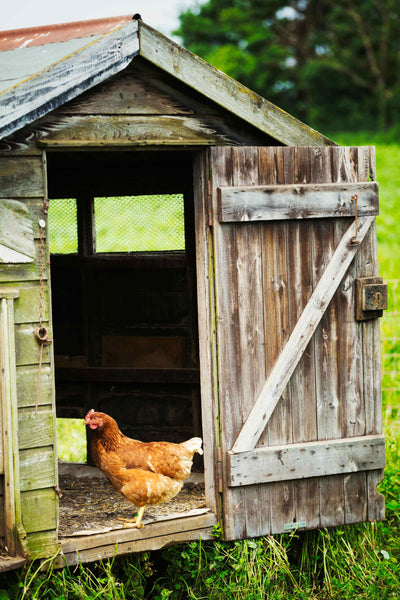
x: 116, y: 374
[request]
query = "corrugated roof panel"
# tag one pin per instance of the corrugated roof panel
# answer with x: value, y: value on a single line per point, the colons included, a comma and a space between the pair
x: 17, y: 65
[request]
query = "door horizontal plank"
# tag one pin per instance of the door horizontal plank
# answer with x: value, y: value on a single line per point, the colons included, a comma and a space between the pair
x: 300, y: 201
x: 311, y: 459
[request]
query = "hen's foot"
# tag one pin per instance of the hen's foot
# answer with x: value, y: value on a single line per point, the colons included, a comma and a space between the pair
x: 136, y: 522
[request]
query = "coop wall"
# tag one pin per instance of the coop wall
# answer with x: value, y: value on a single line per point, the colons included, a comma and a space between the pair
x: 22, y: 178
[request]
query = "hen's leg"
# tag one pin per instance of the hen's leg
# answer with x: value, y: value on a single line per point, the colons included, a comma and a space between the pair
x: 138, y: 521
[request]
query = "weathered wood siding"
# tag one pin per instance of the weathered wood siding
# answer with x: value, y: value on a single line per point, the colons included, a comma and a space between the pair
x: 140, y: 107
x: 265, y: 274
x: 24, y: 179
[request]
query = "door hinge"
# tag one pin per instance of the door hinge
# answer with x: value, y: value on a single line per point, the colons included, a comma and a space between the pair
x: 219, y: 469
x: 209, y: 203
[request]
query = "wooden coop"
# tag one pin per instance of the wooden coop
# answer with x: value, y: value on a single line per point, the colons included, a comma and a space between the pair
x: 258, y: 332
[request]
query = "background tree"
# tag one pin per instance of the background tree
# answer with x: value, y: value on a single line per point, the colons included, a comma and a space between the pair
x: 332, y: 63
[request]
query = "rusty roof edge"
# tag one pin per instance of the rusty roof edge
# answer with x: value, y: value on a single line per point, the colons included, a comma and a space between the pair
x: 13, y: 39
x: 25, y: 102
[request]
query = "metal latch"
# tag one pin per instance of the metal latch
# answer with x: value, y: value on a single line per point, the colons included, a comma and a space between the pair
x: 371, y: 298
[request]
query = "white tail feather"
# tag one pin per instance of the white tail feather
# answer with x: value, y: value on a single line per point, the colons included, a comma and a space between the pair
x: 194, y: 445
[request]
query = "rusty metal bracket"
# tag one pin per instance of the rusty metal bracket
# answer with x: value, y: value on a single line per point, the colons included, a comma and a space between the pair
x: 371, y: 298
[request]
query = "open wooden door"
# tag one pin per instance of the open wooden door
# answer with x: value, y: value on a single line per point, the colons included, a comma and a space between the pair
x: 298, y: 375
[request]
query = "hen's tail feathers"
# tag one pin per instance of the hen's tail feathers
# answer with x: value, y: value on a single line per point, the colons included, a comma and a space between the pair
x: 194, y: 445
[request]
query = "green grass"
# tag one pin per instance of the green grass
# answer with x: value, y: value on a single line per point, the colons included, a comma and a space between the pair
x: 388, y: 177
x: 359, y: 562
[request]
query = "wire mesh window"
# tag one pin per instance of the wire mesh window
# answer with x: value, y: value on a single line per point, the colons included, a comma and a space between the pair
x: 63, y: 226
x: 139, y: 223
x: 71, y: 440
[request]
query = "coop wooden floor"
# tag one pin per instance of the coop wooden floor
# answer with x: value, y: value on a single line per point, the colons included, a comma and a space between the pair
x: 93, y: 517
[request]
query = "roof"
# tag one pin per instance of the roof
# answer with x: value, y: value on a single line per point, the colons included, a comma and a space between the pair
x: 19, y: 60
x: 42, y: 68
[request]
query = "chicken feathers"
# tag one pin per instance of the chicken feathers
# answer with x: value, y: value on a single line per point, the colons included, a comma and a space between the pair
x: 145, y: 473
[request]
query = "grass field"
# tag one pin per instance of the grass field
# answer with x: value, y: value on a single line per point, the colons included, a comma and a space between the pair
x: 388, y: 176
x: 356, y: 562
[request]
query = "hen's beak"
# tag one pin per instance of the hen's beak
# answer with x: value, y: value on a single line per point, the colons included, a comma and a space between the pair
x: 89, y: 415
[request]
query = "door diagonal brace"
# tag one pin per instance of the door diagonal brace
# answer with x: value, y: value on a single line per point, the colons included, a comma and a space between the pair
x: 300, y: 337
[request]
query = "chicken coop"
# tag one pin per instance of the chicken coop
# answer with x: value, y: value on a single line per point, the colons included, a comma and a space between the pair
x: 255, y: 326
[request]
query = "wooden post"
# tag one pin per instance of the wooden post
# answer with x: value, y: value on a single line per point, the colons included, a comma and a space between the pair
x: 9, y: 421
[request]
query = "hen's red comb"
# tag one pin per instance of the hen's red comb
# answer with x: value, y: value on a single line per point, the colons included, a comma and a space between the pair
x: 90, y: 413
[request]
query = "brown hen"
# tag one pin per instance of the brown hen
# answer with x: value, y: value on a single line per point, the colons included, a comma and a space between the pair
x: 145, y: 473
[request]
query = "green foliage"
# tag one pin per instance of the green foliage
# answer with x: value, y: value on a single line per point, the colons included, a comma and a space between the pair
x: 251, y: 569
x: 329, y: 63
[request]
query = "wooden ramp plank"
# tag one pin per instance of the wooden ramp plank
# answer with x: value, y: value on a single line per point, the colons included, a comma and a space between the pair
x: 10, y: 563
x: 127, y: 541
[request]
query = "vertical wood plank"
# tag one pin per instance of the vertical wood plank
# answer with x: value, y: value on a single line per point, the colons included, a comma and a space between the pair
x: 9, y: 425
x: 207, y: 342
x: 302, y: 383
x: 350, y: 164
x: 248, y: 253
x: 6, y: 429
x: 329, y: 407
x: 285, y: 512
x: 224, y: 239
x: 227, y: 301
x: 277, y: 331
x: 272, y: 317
x: 367, y: 266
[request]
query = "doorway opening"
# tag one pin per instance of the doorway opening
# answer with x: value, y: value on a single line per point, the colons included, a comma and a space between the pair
x: 124, y: 310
